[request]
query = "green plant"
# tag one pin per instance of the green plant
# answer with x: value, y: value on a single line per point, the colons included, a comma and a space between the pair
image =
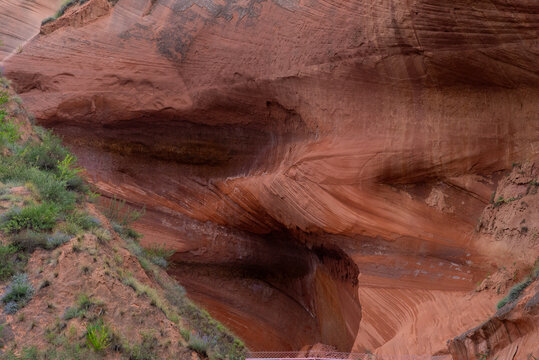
x: 84, y: 302
x: 159, y: 255
x: 200, y: 344
x: 145, y: 350
x: 117, y: 211
x: 35, y: 217
x: 223, y: 341
x: 56, y: 239
x: 103, y: 235
x: 185, y: 334
x: 29, y: 240
x: 4, y: 82
x: 17, y: 294
x: 51, y: 189
x: 67, y: 168
x: 98, y: 336
x: 514, y: 293
x: 71, y: 313
x: 78, y: 221
x: 46, y: 153
x: 9, y: 130
x: 7, y: 264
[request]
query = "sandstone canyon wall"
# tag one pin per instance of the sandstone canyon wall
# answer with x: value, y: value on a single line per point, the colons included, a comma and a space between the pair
x: 20, y: 21
x: 320, y: 167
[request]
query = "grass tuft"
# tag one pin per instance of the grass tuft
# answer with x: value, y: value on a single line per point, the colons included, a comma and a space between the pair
x: 18, y: 293
x: 98, y: 336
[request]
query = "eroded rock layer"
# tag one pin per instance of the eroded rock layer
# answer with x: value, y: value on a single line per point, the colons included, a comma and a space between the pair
x: 319, y: 166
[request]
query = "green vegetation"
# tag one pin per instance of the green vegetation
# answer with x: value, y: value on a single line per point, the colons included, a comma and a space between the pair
x: 103, y: 235
x: 66, y: 5
x: 121, y: 214
x: 48, y: 213
x: 158, y: 254
x: 186, y: 335
x: 17, y: 294
x: 9, y: 130
x: 34, y: 217
x: 98, y: 336
x: 67, y: 169
x: 84, y: 303
x: 7, y: 261
x: 77, y: 222
x: 514, y: 293
x: 517, y: 290
x: 502, y: 201
x: 221, y: 343
x: 199, y: 344
x: 146, y: 349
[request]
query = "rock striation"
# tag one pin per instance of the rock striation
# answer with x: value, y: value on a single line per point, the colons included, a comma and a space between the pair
x: 324, y: 163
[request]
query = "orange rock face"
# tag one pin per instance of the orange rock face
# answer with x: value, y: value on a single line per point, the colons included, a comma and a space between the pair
x: 512, y: 333
x: 20, y: 21
x: 319, y: 166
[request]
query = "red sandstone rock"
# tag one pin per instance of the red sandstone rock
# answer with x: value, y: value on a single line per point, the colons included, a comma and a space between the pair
x: 376, y: 128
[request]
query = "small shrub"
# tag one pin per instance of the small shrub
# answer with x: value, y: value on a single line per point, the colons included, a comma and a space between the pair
x: 186, y: 335
x: 117, y: 211
x: 78, y: 221
x: 51, y: 189
x: 535, y: 270
x: 84, y: 302
x: 57, y: 239
x: 103, y: 235
x: 514, y: 293
x: 45, y: 154
x: 67, y: 168
x: 9, y: 131
x: 499, y: 202
x: 29, y: 240
x: 71, y: 313
x: 17, y: 294
x: 145, y: 350
x: 98, y: 336
x: 132, y: 233
x: 159, y: 255
x: 47, y: 20
x: 7, y: 265
x: 66, y: 5
x: 35, y: 217
x: 200, y: 344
